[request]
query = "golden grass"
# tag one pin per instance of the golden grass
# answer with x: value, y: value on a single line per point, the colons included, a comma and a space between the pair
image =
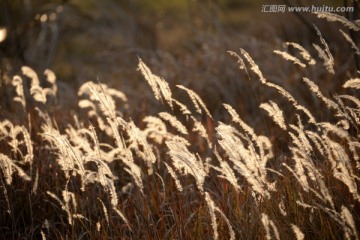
x: 183, y: 174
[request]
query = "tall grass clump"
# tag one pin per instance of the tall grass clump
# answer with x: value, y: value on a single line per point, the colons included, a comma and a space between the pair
x: 186, y: 172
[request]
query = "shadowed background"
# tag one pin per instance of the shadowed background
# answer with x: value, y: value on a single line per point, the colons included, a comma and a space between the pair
x: 184, y: 41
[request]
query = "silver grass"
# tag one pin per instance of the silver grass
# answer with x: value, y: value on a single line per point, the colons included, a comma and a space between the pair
x: 290, y: 58
x: 36, y: 182
x: 150, y: 78
x: 328, y: 127
x: 246, y: 161
x: 304, y: 205
x: 291, y: 99
x: 270, y: 227
x: 138, y: 138
x: 51, y: 78
x: 260, y: 142
x: 303, y: 52
x: 158, y: 85
x: 344, y: 219
x: 119, y: 140
x: 227, y: 221
x: 347, y: 114
x: 282, y: 208
x: 80, y: 216
x: 38, y: 94
x: 98, y: 226
x: 122, y: 216
x: 299, y: 174
x: 104, y: 176
x: 349, y: 223
x: 93, y: 135
x: 29, y: 157
x: 162, y: 182
x: 8, y: 167
x: 265, y: 148
x: 211, y: 206
x: 80, y: 138
x: 300, y: 139
x: 197, y: 101
x: 254, y: 67
x: 322, y: 54
x: 353, y: 146
x: 36, y: 90
x: 43, y: 236
x: 69, y: 157
x: 331, y: 212
x: 315, y: 89
x: 305, y: 168
x: 236, y: 118
x: 6, y: 128
x: 240, y: 61
x: 341, y: 166
x: 30, y: 73
x: 133, y: 169
x: 15, y: 130
x: 352, y: 83
x: 183, y: 108
x: 266, y: 223
x: 174, y: 122
x: 65, y: 203
x: 107, y: 103
x: 186, y: 162
x: 19, y: 89
x: 317, y: 141
x: 298, y: 233
x: 85, y: 90
x: 180, y: 140
x: 353, y: 99
x: 174, y: 176
x: 275, y: 113
x: 349, y: 39
x: 212, y: 210
x: 69, y: 197
x: 200, y: 129
x: 85, y: 103
x: 127, y: 188
x: 226, y: 172
x: 325, y: 45
x: 117, y: 94
x: 110, y: 187
x: 331, y: 17
x: 155, y: 129
x: 325, y: 53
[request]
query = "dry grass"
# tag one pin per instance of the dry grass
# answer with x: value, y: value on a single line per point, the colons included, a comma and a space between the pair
x: 185, y: 172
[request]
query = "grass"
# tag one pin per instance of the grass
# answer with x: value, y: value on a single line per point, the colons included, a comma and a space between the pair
x: 176, y: 167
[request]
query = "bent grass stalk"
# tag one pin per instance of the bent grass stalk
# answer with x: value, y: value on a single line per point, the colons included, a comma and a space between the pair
x: 106, y: 154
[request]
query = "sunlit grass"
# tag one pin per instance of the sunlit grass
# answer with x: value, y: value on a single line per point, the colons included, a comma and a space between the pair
x: 173, y: 167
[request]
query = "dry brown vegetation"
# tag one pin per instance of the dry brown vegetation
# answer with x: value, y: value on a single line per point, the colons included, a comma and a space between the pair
x: 189, y: 165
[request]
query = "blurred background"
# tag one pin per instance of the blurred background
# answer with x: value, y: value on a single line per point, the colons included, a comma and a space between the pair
x: 64, y: 33
x: 184, y: 41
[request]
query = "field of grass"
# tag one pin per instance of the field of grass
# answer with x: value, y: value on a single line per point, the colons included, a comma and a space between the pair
x: 257, y: 141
